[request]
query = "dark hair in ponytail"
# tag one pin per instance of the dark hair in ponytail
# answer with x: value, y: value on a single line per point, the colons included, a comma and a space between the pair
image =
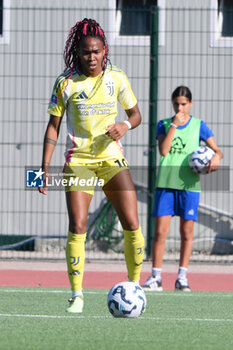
x: 182, y: 91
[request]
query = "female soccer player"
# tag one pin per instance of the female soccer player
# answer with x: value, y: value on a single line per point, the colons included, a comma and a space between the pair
x: 178, y: 187
x: 88, y: 91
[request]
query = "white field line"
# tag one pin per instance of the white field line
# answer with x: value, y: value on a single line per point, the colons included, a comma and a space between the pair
x: 46, y: 291
x: 53, y: 316
x: 103, y: 292
x: 171, y: 319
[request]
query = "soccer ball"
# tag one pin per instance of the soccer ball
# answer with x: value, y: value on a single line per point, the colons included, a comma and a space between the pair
x: 126, y: 299
x: 199, y: 158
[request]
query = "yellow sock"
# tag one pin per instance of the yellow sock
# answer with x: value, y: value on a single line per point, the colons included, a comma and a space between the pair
x: 134, y: 253
x: 75, y: 258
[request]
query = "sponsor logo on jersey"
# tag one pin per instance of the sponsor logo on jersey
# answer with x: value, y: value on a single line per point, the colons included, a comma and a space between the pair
x: 82, y: 96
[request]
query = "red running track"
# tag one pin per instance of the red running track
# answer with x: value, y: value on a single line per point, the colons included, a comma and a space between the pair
x: 105, y: 280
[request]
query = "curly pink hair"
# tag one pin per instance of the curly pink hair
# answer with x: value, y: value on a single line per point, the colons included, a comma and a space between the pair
x: 82, y: 29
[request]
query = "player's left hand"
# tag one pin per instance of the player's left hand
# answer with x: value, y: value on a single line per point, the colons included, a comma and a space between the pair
x: 214, y: 163
x: 116, y: 131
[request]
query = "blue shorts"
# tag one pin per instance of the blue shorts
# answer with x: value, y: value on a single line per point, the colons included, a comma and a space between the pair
x: 176, y: 202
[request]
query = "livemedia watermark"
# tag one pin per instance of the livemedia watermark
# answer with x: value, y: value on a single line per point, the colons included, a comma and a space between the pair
x: 57, y: 180
x: 87, y: 179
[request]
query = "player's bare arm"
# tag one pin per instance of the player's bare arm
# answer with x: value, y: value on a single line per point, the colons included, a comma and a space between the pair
x: 181, y: 106
x: 215, y: 160
x: 50, y: 141
x: 116, y: 131
x: 165, y: 141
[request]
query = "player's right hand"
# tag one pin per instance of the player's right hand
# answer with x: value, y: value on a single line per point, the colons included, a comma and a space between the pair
x: 179, y: 118
x: 44, y: 189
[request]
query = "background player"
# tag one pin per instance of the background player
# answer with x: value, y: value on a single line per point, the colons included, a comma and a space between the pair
x: 178, y: 187
x: 88, y: 91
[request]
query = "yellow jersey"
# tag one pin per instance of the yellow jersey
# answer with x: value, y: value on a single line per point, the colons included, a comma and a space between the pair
x: 91, y: 106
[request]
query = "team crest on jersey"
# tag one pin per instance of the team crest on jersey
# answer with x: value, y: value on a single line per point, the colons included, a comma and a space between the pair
x: 110, y: 86
x: 81, y: 96
x: 53, y: 101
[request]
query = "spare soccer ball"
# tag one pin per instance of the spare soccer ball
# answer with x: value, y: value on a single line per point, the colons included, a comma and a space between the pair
x: 199, y: 158
x: 126, y: 299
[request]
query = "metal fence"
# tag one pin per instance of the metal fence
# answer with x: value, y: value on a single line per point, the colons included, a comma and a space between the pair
x: 189, y: 50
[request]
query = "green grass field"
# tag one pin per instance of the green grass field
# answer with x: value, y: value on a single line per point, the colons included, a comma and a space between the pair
x: 34, y: 319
